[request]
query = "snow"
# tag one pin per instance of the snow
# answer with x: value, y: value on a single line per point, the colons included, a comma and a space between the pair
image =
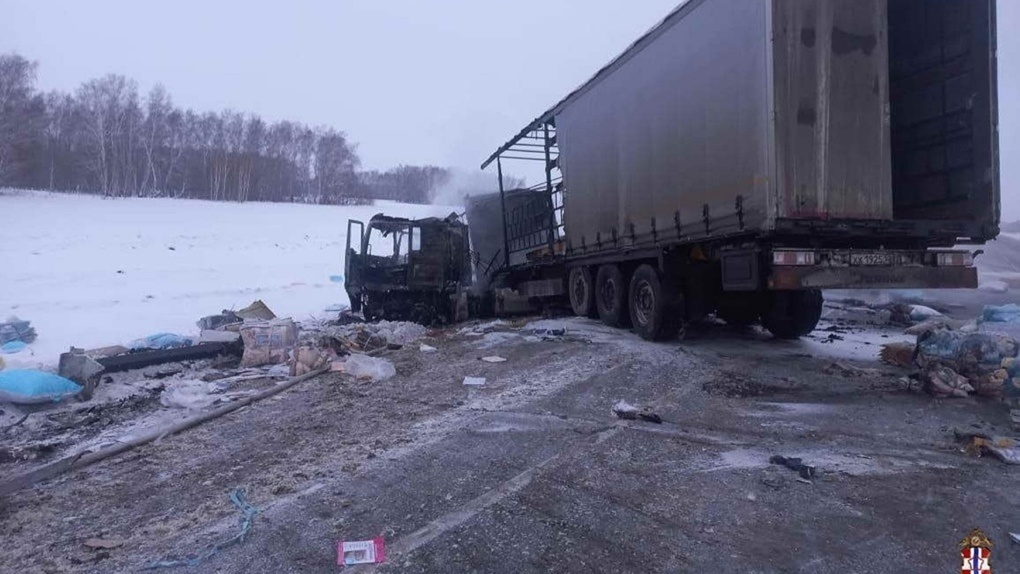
x: 92, y: 272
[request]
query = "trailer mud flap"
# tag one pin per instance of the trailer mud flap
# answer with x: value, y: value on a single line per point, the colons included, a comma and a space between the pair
x: 791, y: 278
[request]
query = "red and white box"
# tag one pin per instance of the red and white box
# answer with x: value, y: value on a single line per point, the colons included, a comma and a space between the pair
x: 350, y: 553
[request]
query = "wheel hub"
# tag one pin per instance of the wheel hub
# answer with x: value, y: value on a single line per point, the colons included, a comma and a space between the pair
x: 579, y: 289
x: 609, y: 293
x: 644, y: 303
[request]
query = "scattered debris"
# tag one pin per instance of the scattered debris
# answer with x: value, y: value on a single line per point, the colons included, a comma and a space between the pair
x: 482, y: 328
x: 941, y: 324
x: 626, y: 411
x: 26, y: 387
x: 494, y: 359
x: 77, y: 366
x: 268, y: 342
x: 1014, y: 537
x: 361, y: 552
x: 372, y: 368
x: 104, y: 543
x: 78, y: 461
x: 549, y: 334
x: 397, y: 332
x: 899, y: 314
x: 218, y: 322
x: 248, y: 512
x: 348, y: 317
x: 898, y: 354
x: 848, y: 370
x: 427, y: 348
x: 806, y: 472
x: 941, y: 381
x: 160, y: 374
x: 257, y: 311
x: 980, y: 444
x: 371, y: 338
x: 474, y: 381
x: 955, y: 364
x: 921, y: 313
x: 307, y: 359
x: 189, y: 395
x: 15, y: 329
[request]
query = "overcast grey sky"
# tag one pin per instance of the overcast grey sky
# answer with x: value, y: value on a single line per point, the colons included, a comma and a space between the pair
x: 440, y: 81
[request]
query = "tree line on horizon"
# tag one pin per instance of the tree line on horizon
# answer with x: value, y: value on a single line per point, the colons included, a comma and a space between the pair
x: 106, y: 139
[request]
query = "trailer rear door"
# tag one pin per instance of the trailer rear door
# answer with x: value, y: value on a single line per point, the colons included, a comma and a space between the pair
x: 944, y: 112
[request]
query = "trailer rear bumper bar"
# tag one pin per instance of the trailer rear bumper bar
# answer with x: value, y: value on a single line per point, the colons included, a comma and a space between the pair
x: 897, y: 277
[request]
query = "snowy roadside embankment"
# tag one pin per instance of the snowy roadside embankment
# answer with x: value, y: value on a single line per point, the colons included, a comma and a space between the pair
x: 90, y: 272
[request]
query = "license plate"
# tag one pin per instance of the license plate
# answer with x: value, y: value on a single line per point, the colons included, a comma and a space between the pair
x: 871, y: 259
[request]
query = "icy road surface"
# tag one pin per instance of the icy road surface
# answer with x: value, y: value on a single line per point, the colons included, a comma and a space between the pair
x: 91, y: 272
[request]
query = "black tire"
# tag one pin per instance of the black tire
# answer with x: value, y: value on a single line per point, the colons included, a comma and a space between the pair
x: 739, y: 309
x: 581, y: 288
x: 611, y: 296
x: 653, y: 310
x: 793, y: 314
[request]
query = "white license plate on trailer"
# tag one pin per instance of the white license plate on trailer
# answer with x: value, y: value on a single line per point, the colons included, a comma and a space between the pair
x: 871, y: 259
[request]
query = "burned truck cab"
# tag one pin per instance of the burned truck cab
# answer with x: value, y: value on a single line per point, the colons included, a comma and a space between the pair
x: 406, y: 269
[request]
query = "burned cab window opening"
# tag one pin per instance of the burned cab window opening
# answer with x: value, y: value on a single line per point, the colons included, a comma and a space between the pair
x: 393, y: 243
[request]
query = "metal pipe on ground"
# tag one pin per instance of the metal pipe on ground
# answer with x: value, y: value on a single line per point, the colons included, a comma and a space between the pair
x: 82, y: 460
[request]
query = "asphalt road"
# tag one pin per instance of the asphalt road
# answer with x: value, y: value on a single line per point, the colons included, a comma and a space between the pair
x: 533, y: 473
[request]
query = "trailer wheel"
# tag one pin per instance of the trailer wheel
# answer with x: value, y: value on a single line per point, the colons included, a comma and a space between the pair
x: 581, y: 287
x: 652, y: 309
x: 611, y: 296
x: 793, y: 314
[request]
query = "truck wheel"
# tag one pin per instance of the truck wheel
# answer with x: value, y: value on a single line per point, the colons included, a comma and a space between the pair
x: 582, y: 292
x: 652, y: 311
x: 739, y: 309
x: 793, y: 314
x: 611, y: 296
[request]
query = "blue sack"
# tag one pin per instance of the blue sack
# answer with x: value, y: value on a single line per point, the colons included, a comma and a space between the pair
x: 1004, y: 314
x: 25, y: 387
x: 13, y: 347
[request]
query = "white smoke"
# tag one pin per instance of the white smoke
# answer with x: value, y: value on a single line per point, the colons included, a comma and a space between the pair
x: 467, y: 183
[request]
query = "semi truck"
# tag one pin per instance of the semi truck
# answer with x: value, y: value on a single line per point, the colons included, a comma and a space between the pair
x: 744, y: 155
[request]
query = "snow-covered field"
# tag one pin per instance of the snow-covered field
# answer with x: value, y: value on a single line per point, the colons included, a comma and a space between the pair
x: 90, y: 272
